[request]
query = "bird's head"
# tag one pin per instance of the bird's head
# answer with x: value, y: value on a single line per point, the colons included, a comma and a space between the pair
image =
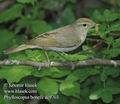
x: 84, y: 24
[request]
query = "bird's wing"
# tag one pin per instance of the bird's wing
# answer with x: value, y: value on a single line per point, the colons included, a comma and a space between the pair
x: 64, y: 37
x: 53, y: 38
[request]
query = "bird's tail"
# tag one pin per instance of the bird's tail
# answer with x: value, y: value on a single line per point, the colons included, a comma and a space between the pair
x: 17, y: 49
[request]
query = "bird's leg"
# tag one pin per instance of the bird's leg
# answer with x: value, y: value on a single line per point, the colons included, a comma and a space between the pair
x: 66, y: 59
x: 48, y: 60
x: 60, y: 53
x: 39, y: 68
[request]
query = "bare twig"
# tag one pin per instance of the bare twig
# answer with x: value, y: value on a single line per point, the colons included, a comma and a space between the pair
x: 94, y: 40
x: 89, y: 62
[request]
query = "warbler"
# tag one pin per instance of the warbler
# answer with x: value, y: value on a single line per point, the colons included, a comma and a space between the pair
x: 63, y: 39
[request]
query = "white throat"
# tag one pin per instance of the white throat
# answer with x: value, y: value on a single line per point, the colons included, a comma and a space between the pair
x: 82, y: 35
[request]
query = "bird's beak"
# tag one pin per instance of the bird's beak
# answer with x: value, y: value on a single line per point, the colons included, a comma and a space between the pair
x: 95, y: 27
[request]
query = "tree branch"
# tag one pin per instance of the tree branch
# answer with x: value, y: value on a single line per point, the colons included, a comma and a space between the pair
x: 89, y: 62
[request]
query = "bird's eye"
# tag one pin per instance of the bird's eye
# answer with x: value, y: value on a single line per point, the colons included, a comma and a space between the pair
x: 84, y: 25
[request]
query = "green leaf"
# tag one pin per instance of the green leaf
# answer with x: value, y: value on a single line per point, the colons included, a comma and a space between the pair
x: 14, y: 73
x: 82, y: 74
x: 18, y: 56
x: 6, y: 38
x: 47, y: 87
x: 106, y: 97
x: 58, y: 72
x: 35, y: 55
x: 11, y: 13
x: 52, y: 72
x: 112, y: 83
x: 39, y: 27
x: 105, y: 94
x: 116, y: 43
x: 68, y: 15
x: 114, y: 27
x: 102, y: 31
x: 110, y: 16
x: 27, y: 1
x: 98, y: 16
x: 52, y: 4
x: 74, y: 57
x: 74, y: 101
x: 61, y: 100
x: 69, y: 88
x: 109, y: 40
x: 23, y: 22
x: 109, y: 71
x: 112, y: 52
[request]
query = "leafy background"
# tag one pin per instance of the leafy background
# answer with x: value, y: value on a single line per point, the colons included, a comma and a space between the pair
x: 22, y: 20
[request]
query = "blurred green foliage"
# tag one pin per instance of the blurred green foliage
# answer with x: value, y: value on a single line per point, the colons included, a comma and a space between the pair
x: 26, y: 19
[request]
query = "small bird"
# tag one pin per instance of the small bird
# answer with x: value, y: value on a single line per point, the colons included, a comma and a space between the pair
x: 63, y: 39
